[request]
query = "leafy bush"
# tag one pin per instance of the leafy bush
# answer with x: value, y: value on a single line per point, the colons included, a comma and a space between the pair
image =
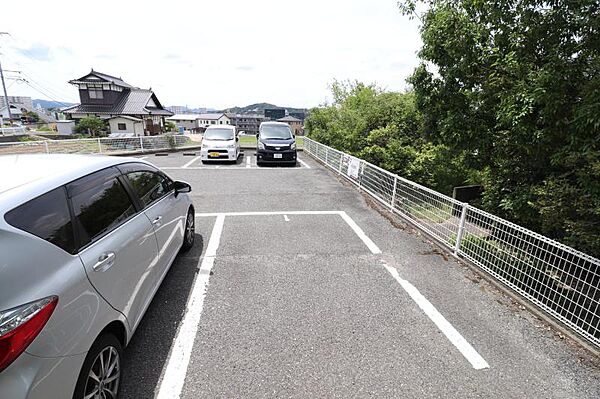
x: 386, y: 129
x: 91, y: 125
x: 44, y: 128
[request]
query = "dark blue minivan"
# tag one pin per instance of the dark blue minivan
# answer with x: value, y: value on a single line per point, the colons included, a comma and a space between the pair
x: 275, y: 144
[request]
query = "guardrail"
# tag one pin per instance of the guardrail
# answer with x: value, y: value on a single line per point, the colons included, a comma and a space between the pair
x: 560, y: 280
x: 104, y: 145
x: 8, y: 131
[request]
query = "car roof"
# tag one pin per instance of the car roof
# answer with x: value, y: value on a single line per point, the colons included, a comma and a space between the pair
x: 275, y: 123
x: 211, y: 127
x: 39, y: 173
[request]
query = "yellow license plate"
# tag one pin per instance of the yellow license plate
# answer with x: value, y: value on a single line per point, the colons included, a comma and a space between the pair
x: 214, y: 154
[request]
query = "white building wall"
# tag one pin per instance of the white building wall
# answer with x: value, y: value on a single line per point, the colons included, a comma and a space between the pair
x: 131, y: 126
x: 186, y: 124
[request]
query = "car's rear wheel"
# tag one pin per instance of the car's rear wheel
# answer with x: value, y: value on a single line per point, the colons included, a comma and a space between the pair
x: 190, y: 231
x: 101, y: 372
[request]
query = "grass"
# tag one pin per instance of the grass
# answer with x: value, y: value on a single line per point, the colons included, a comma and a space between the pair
x: 250, y: 141
x: 429, y: 213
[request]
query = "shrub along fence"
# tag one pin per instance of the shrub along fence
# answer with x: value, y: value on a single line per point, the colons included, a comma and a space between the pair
x: 560, y: 280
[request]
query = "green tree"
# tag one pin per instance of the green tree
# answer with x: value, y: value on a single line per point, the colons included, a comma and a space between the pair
x: 514, y: 87
x: 386, y: 129
x: 91, y: 125
x: 31, y: 116
x: 170, y: 126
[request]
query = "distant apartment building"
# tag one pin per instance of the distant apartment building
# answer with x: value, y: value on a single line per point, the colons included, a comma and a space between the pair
x: 247, y: 123
x: 295, y: 124
x: 17, y: 100
x: 179, y: 109
x: 274, y: 113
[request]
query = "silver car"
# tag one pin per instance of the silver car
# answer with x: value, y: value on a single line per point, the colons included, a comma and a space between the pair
x: 85, y: 242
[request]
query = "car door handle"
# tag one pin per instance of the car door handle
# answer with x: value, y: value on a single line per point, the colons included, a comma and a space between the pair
x: 105, y: 262
x: 157, y: 220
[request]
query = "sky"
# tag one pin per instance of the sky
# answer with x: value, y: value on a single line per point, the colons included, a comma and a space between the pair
x: 215, y: 54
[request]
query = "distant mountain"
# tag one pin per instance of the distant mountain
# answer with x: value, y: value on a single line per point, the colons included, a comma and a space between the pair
x: 258, y: 108
x: 49, y: 104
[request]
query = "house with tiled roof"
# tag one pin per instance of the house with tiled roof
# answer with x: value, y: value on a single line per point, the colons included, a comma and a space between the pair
x: 295, y: 124
x: 128, y: 109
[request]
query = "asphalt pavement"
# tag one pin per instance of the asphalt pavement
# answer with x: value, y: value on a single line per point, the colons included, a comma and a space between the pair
x: 300, y: 287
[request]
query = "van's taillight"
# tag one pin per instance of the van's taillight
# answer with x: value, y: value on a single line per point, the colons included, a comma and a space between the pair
x: 19, y: 326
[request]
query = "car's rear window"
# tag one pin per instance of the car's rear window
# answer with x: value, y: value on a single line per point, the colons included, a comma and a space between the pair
x: 47, y: 217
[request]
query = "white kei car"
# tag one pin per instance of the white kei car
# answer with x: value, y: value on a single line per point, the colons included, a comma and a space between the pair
x: 220, y: 143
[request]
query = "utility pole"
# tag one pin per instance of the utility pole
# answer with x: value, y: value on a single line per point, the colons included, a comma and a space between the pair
x: 4, y: 87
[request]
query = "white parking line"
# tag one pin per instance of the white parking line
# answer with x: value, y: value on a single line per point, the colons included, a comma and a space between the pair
x: 360, y: 233
x: 191, y: 162
x: 304, y: 163
x: 286, y: 218
x: 240, y: 167
x: 179, y: 358
x: 440, y: 321
x: 248, y: 161
x: 176, y: 370
x: 142, y: 158
x: 209, y: 214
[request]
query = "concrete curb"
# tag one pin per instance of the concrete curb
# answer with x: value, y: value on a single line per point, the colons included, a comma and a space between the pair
x: 150, y: 152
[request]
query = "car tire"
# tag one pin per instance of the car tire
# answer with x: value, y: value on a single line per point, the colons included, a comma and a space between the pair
x: 189, y: 233
x: 108, y: 378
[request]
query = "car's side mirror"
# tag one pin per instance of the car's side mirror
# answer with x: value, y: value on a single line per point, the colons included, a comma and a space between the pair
x: 257, y: 134
x: 237, y: 138
x: 181, y: 187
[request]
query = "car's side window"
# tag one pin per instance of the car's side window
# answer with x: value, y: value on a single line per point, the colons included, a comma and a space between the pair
x: 101, y: 208
x: 149, y: 186
x: 47, y: 217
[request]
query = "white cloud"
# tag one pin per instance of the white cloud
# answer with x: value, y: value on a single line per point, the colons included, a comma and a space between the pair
x: 212, y: 53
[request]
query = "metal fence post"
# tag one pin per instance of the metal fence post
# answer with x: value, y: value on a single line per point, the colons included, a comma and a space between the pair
x: 341, y: 162
x: 394, y: 194
x: 46, y: 145
x: 461, y: 228
x: 326, y: 156
x: 142, y: 143
x: 99, y: 146
x: 360, y: 173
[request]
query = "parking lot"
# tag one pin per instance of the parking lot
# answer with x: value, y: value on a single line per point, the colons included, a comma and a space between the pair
x: 191, y: 160
x: 299, y: 287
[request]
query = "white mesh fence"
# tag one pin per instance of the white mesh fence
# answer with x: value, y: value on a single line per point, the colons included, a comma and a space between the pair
x: 106, y: 145
x: 560, y: 280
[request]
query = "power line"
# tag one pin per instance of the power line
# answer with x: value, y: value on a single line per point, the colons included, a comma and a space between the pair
x: 49, y: 90
x: 29, y: 73
x: 4, y: 87
x: 45, y: 94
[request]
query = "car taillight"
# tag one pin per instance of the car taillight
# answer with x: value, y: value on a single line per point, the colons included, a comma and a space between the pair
x: 19, y: 326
